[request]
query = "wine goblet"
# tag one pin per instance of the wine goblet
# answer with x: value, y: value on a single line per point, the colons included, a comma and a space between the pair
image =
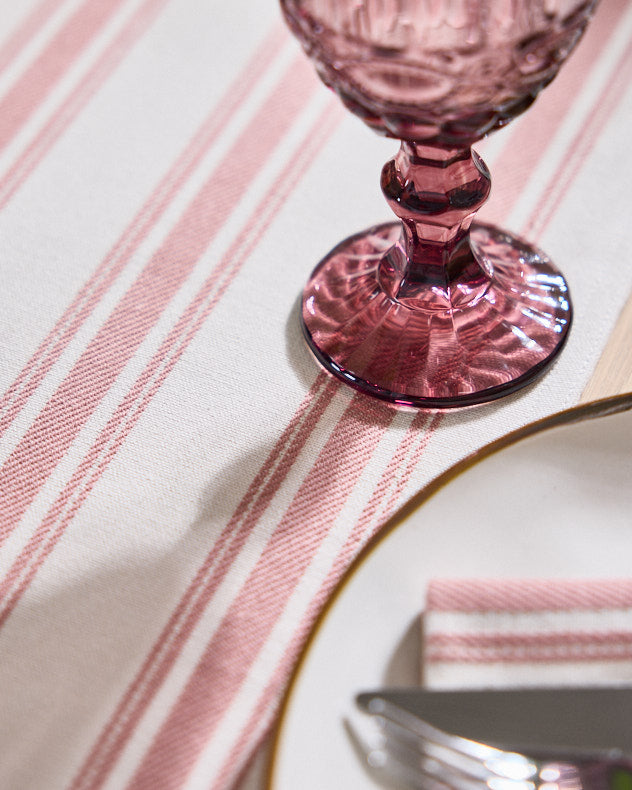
x: 435, y: 310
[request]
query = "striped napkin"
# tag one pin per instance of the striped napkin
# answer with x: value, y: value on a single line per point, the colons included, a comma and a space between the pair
x: 528, y: 632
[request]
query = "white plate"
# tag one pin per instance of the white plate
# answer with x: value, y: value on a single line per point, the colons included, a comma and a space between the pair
x: 557, y: 503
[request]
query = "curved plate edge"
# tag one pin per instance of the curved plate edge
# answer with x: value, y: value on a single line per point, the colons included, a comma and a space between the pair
x: 592, y: 410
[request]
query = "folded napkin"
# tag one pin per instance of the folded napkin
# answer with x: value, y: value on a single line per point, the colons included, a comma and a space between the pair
x: 534, y: 632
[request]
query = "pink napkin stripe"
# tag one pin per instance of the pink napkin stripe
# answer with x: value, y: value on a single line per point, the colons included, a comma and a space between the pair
x: 119, y: 256
x: 413, y: 446
x: 557, y: 636
x: 19, y: 103
x: 264, y: 595
x: 556, y: 119
x: 133, y: 405
x: 184, y: 618
x: 66, y: 112
x: 532, y: 138
x: 44, y: 444
x: 527, y: 595
x: 563, y: 646
x: 34, y: 21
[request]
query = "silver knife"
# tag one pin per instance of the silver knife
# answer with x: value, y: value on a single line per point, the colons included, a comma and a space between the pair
x: 522, y: 719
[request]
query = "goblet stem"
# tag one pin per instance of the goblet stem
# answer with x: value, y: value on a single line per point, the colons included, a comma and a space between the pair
x: 436, y: 193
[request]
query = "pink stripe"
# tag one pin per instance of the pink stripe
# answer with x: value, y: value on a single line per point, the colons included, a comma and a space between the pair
x: 268, y: 700
x: 512, y: 648
x: 116, y: 260
x: 355, y: 540
x: 603, y: 653
x: 53, y: 431
x: 422, y: 429
x: 390, y: 480
x: 262, y: 714
x: 261, y: 601
x: 404, y: 476
x: 163, y: 738
x: 394, y: 479
x: 519, y: 641
x: 244, y: 519
x: 70, y: 107
x: 583, y: 144
x: 25, y: 31
x: 45, y: 71
x: 162, y: 656
x: 527, y: 595
x: 175, y: 729
x: 133, y: 405
x: 533, y: 133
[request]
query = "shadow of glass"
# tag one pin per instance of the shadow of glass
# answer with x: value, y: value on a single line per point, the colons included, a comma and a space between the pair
x: 404, y: 666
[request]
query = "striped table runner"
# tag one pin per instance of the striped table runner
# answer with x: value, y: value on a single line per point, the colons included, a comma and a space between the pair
x: 180, y: 486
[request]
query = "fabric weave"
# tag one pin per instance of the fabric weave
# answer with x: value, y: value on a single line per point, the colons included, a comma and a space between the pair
x: 181, y: 487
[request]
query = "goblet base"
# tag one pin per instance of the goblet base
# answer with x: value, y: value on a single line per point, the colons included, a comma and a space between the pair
x: 442, y: 351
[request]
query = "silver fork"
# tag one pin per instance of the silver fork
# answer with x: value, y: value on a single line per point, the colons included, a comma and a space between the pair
x: 404, y: 750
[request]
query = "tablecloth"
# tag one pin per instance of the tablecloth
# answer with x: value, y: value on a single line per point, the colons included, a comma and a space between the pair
x: 180, y: 485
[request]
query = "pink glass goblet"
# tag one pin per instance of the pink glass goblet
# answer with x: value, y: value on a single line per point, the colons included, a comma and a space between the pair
x: 435, y: 310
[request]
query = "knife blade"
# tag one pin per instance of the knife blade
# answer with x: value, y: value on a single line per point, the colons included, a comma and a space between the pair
x: 536, y: 719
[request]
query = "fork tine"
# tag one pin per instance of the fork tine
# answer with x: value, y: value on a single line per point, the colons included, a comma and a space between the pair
x: 431, y: 763
x: 418, y: 728
x: 433, y: 759
x: 391, y: 761
x: 465, y: 759
x: 458, y: 770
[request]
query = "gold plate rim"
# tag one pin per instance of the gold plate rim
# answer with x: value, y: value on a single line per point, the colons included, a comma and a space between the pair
x: 602, y: 407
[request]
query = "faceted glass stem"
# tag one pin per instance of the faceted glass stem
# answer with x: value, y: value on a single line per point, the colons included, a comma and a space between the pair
x: 435, y: 192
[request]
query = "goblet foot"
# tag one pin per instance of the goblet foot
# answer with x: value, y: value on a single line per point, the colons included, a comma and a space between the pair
x: 440, y: 351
